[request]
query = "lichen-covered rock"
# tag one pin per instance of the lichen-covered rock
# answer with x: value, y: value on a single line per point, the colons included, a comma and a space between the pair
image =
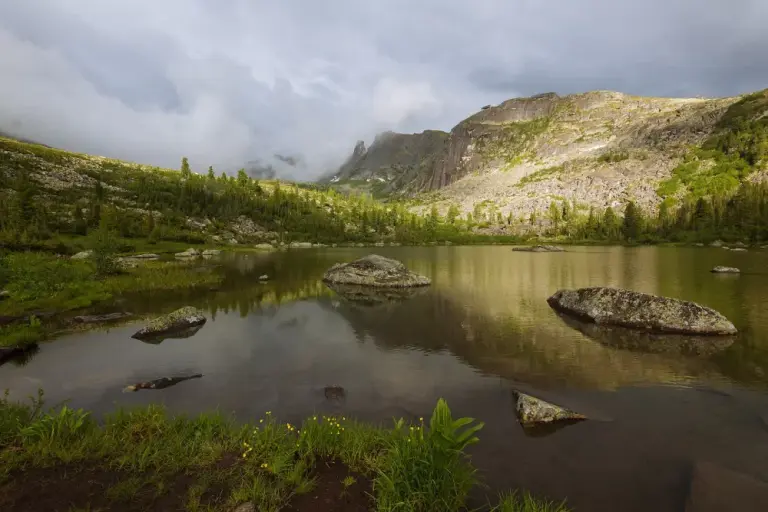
x: 179, y: 320
x: 264, y: 247
x: 614, y: 306
x: 533, y: 411
x: 717, y: 243
x: 83, y: 255
x: 189, y: 253
x: 300, y: 245
x: 374, y: 270
x: 725, y: 270
x: 539, y: 248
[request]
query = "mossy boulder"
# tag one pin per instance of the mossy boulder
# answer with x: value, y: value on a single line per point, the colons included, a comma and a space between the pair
x: 374, y: 270
x: 180, y: 320
x: 626, y: 308
x: 535, y: 411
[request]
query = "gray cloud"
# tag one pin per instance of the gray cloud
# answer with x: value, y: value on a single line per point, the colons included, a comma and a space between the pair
x: 234, y: 81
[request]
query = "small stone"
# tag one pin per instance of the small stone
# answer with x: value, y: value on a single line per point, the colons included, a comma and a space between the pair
x: 532, y: 411
x: 145, y: 256
x: 725, y: 270
x: 245, y: 507
x: 83, y: 255
x: 300, y: 245
x: 189, y: 253
x: 5, y: 294
x: 738, y: 249
x: 264, y: 277
x: 211, y: 252
x: 717, y: 243
x: 264, y: 247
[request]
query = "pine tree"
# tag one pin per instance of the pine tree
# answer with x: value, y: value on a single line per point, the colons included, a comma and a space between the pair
x: 632, y: 224
x: 186, y: 172
x: 211, y: 175
x: 453, y: 213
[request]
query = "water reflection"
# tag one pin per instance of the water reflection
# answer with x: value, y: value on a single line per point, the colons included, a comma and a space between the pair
x: 481, y: 330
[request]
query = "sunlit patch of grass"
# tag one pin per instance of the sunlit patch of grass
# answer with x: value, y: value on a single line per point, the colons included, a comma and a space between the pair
x: 525, y: 502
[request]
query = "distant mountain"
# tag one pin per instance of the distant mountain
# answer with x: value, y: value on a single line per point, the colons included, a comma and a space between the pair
x: 595, y: 149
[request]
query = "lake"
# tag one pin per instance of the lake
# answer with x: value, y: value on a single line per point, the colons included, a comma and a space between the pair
x: 482, y: 330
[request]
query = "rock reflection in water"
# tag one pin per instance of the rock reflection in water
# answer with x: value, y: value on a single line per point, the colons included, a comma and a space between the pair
x: 371, y: 297
x: 652, y: 343
x: 156, y: 339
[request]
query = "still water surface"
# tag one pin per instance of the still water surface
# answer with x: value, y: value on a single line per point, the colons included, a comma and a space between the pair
x: 481, y: 330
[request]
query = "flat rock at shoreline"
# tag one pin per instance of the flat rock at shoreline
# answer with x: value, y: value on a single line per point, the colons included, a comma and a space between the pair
x: 189, y: 253
x: 626, y: 308
x: 374, y: 270
x: 539, y: 248
x: 180, y: 320
x: 95, y: 319
x: 725, y: 270
x: 534, y: 411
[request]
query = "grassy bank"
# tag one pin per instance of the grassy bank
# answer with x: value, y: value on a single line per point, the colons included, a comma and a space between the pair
x: 42, y: 288
x: 144, y: 459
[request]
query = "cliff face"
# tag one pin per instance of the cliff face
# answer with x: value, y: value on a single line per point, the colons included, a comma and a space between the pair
x: 597, y: 149
x: 395, y: 163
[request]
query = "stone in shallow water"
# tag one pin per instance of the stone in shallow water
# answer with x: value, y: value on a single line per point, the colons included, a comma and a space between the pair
x: 539, y: 248
x: 725, y: 270
x: 189, y: 253
x: 717, y: 489
x: 626, y: 308
x: 374, y: 270
x: 180, y: 320
x: 95, y: 319
x: 533, y: 411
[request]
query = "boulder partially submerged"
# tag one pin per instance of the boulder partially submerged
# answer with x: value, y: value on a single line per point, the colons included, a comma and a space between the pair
x: 160, y: 383
x: 725, y: 270
x: 189, y: 253
x: 539, y: 248
x: 374, y: 270
x: 180, y: 320
x: 626, y: 308
x: 532, y: 411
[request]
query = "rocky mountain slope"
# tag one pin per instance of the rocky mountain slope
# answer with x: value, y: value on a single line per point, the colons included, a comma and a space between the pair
x: 595, y: 149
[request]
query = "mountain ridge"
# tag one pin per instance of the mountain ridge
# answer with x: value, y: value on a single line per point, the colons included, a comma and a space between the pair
x: 595, y: 149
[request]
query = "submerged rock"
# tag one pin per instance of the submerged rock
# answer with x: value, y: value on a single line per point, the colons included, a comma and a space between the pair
x: 96, y: 319
x: 334, y: 392
x: 374, y: 270
x: 83, y: 255
x: 539, y: 248
x: 180, y: 320
x: 626, y: 308
x: 189, y: 253
x: 161, y: 383
x: 715, y: 489
x: 725, y: 270
x: 534, y: 411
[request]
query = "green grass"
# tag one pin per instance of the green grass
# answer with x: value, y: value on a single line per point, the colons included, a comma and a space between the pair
x: 413, y: 468
x: 524, y: 502
x: 540, y: 175
x: 42, y: 282
x: 613, y: 157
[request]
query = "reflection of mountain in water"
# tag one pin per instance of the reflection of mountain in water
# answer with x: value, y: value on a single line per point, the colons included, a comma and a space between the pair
x: 540, y: 355
x: 631, y: 339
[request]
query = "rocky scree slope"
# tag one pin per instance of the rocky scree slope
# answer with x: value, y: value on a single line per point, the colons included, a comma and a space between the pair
x: 595, y: 149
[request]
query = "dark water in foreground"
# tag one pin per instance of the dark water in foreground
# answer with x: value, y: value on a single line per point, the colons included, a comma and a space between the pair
x: 483, y: 329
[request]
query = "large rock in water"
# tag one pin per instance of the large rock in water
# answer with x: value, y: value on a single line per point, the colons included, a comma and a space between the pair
x: 374, y: 270
x: 179, y: 320
x: 626, y: 308
x: 539, y: 248
x: 534, y: 411
x: 725, y: 270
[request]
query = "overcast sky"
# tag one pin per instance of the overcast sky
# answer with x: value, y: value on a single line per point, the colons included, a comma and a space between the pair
x: 228, y: 81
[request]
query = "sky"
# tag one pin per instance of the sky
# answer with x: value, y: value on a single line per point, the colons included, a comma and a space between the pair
x: 233, y: 81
